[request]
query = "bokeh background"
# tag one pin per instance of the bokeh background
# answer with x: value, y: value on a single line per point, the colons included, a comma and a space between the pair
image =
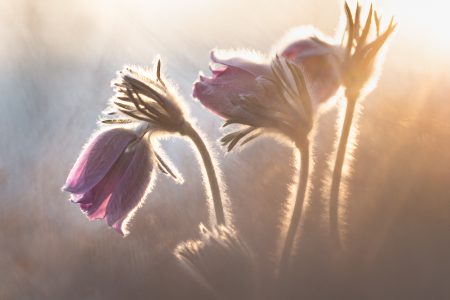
x: 57, y: 59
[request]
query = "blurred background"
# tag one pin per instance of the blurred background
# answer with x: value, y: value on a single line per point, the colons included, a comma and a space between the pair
x: 57, y: 60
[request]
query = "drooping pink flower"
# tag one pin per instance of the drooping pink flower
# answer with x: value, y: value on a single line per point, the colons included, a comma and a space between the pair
x: 262, y: 95
x: 321, y: 63
x: 111, y: 176
x: 114, y: 172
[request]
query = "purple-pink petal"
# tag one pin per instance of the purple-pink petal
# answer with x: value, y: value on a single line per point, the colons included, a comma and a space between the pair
x: 304, y: 48
x: 229, y: 85
x: 96, y: 159
x: 220, y: 94
x: 255, y: 69
x: 132, y: 187
x: 95, y: 201
x: 321, y: 64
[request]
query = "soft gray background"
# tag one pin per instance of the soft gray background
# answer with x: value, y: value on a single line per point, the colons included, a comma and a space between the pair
x: 57, y: 59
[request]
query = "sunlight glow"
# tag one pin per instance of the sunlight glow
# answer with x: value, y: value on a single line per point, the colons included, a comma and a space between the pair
x: 425, y: 23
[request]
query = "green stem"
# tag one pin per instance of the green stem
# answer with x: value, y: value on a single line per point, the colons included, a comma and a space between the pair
x: 337, y: 172
x: 303, y: 148
x: 209, y: 167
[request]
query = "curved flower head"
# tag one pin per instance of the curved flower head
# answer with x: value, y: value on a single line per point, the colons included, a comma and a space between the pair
x: 113, y: 173
x: 321, y: 64
x: 112, y: 176
x: 263, y: 96
x: 360, y: 53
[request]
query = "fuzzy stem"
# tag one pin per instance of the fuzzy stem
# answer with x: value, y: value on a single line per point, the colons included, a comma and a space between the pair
x: 209, y: 166
x: 303, y: 148
x: 337, y: 171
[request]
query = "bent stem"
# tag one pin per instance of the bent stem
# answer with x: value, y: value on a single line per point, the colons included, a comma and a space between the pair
x: 337, y: 171
x: 209, y: 166
x: 303, y: 148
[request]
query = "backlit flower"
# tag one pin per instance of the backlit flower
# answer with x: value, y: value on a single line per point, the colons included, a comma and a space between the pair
x: 263, y: 96
x: 113, y: 173
x: 111, y: 177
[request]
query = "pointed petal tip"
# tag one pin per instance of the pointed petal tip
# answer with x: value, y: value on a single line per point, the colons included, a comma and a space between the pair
x: 89, y: 169
x: 197, y: 91
x: 213, y: 56
x: 68, y: 188
x: 120, y: 229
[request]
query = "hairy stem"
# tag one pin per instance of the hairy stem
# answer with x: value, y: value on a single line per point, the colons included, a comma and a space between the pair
x: 337, y: 171
x: 209, y: 166
x: 303, y: 148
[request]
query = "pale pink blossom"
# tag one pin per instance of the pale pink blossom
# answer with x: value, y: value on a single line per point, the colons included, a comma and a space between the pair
x: 269, y: 96
x: 111, y: 177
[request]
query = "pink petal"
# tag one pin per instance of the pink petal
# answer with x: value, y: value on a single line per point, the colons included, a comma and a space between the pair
x: 223, y: 93
x: 255, y: 69
x: 131, y: 189
x: 321, y: 64
x: 95, y: 201
x: 323, y: 76
x: 97, y: 159
x: 216, y: 72
x: 304, y: 48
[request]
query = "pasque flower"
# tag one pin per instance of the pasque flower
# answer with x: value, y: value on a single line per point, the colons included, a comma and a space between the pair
x: 328, y: 65
x: 111, y: 177
x: 113, y: 173
x: 265, y: 97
